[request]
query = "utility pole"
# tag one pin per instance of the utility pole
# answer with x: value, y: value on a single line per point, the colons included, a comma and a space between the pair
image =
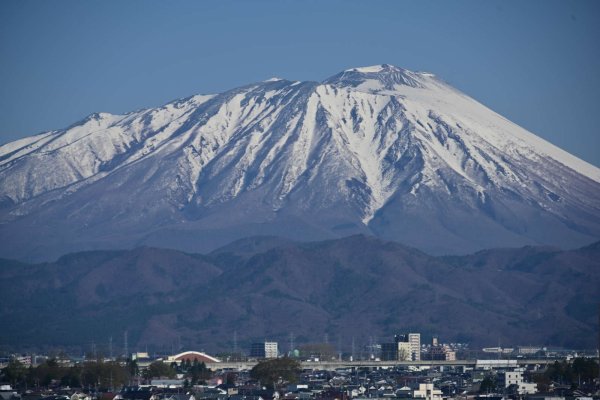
x: 235, y: 343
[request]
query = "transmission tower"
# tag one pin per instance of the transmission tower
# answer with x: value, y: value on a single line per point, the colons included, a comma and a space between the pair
x: 234, y: 343
x: 125, y: 346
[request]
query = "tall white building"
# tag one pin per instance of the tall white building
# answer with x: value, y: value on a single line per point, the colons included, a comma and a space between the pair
x: 415, y: 344
x: 271, y: 350
x: 408, y: 346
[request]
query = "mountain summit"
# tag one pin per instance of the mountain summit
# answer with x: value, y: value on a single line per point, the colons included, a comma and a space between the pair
x: 379, y: 77
x: 378, y: 150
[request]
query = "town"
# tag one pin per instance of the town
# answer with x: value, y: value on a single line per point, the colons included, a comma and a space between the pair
x: 402, y: 368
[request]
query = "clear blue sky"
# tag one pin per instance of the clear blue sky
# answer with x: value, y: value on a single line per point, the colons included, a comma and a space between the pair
x: 535, y: 62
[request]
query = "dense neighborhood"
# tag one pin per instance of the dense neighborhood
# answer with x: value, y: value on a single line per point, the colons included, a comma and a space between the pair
x: 403, y: 369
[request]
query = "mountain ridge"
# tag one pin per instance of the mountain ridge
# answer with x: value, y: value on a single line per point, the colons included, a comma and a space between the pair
x: 357, y: 286
x: 376, y: 150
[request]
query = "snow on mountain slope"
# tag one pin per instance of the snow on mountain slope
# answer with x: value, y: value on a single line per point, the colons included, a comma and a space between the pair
x: 378, y: 150
x: 88, y: 149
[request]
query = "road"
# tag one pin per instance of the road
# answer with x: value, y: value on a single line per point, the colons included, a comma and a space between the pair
x: 332, y: 365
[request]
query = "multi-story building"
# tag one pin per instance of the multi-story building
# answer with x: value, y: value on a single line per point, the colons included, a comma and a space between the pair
x: 415, y: 344
x: 408, y: 346
x: 389, y: 352
x: 271, y: 350
x: 264, y: 350
x: 438, y: 351
x: 509, y: 378
x: 428, y: 392
x: 405, y: 351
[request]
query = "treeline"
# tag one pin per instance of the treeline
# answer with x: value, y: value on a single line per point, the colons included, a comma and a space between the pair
x: 580, y: 372
x: 194, y: 372
x: 95, y: 374
x: 98, y: 374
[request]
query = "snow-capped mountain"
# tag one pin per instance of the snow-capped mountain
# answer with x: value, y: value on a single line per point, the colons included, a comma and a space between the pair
x: 379, y: 150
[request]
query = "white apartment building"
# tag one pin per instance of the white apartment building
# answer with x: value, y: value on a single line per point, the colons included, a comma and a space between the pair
x: 428, y: 392
x: 415, y: 344
x: 271, y: 350
x: 516, y: 378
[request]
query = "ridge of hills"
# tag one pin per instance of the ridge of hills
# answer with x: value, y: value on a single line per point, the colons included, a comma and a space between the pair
x: 267, y: 287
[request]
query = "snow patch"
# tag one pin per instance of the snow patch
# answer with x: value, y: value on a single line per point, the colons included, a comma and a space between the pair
x: 368, y: 69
